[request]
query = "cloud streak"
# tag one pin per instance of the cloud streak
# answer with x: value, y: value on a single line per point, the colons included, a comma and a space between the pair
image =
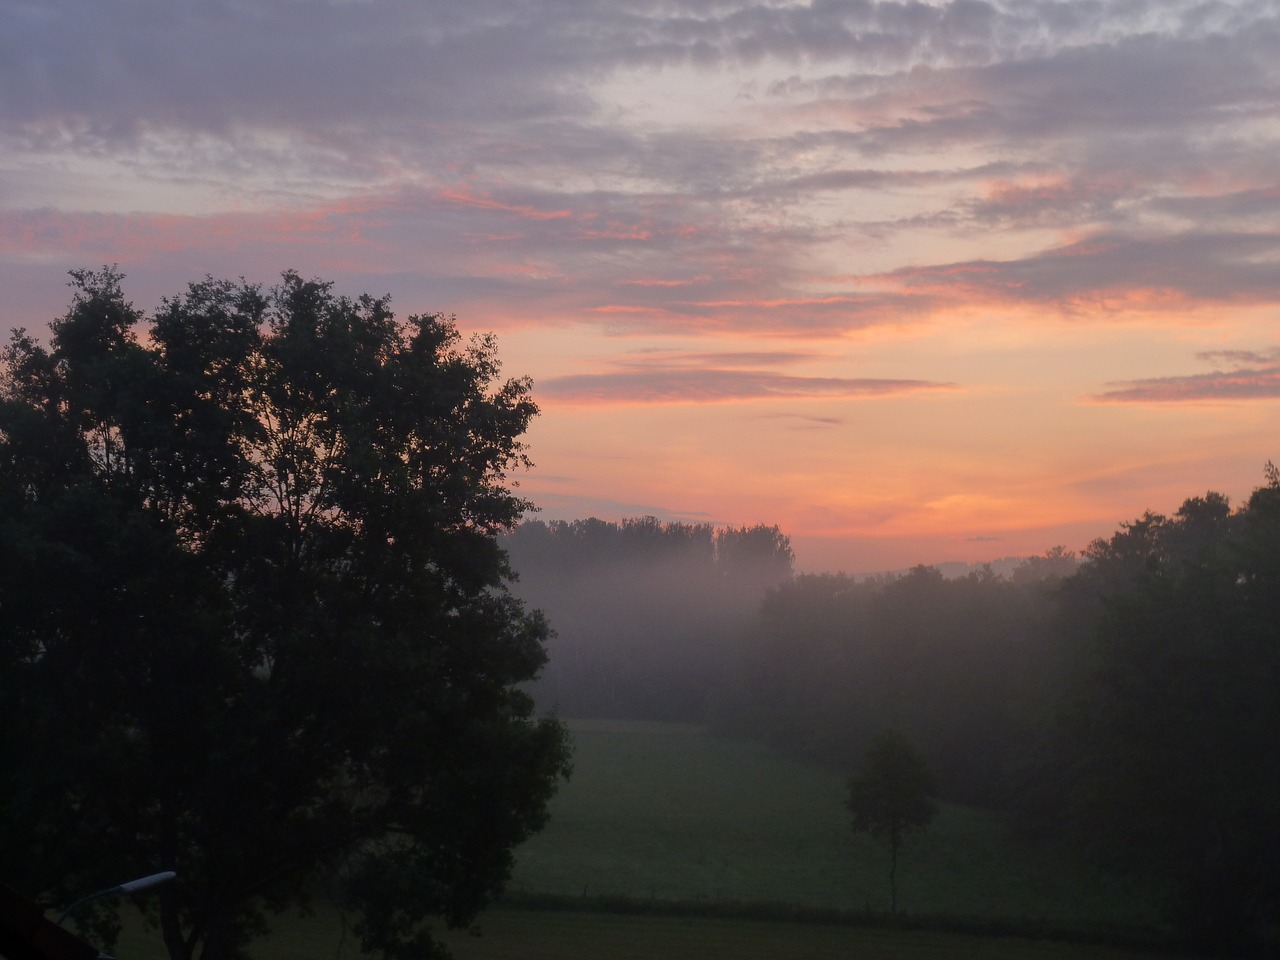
x: 1194, y: 266
x: 718, y: 378
x: 717, y: 386
x: 1257, y: 377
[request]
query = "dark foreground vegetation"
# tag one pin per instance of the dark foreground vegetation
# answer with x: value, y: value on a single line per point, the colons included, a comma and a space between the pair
x: 254, y: 620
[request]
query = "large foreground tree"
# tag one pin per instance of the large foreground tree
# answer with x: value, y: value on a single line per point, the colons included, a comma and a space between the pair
x: 254, y: 624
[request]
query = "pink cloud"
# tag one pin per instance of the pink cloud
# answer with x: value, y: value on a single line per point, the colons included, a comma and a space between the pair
x: 1240, y: 385
x: 135, y: 236
x: 485, y: 201
x: 667, y: 385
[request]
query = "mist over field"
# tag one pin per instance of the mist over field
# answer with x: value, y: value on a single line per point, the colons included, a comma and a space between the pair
x: 647, y: 615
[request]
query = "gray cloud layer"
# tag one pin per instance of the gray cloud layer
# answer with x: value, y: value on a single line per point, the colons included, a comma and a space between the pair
x: 490, y: 151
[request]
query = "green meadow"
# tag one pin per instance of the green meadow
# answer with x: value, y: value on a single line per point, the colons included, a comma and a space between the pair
x: 667, y: 812
x: 525, y: 935
x: 693, y: 839
x: 514, y: 934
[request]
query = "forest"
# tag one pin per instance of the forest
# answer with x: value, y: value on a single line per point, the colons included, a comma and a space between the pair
x: 1121, y: 701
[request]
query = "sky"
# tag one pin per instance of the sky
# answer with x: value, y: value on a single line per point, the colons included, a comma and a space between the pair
x: 918, y: 282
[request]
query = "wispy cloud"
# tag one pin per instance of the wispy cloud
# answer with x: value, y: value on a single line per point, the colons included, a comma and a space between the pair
x: 1215, y: 267
x: 715, y: 379
x: 1256, y: 377
x: 806, y: 420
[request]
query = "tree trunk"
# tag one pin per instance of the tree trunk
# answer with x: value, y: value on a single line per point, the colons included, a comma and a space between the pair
x: 171, y: 929
x: 894, y: 843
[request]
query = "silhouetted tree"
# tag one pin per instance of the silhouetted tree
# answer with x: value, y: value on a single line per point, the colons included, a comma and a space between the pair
x: 254, y: 624
x: 1056, y: 564
x: 891, y: 797
x: 1166, y: 759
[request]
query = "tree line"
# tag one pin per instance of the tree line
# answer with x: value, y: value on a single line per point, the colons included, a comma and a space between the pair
x: 949, y: 663
x: 1163, y: 752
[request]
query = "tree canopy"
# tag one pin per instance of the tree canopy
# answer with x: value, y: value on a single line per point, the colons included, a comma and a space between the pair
x: 953, y: 664
x: 254, y: 618
x: 1165, y: 758
x: 891, y: 797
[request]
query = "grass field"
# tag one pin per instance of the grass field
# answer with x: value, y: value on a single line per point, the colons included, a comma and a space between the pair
x: 659, y: 812
x: 507, y: 934
x: 671, y: 812
x: 524, y: 935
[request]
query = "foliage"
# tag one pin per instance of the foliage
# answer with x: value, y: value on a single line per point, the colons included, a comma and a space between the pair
x: 255, y: 624
x: 891, y: 797
x: 1165, y: 759
x: 954, y: 664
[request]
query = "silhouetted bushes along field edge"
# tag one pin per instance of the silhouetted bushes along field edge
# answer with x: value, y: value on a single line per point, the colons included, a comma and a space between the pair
x: 1134, y: 936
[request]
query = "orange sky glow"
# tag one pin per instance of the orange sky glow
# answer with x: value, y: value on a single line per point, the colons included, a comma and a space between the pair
x: 918, y: 282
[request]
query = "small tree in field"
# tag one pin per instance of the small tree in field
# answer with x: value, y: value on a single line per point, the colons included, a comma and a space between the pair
x: 891, y: 797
